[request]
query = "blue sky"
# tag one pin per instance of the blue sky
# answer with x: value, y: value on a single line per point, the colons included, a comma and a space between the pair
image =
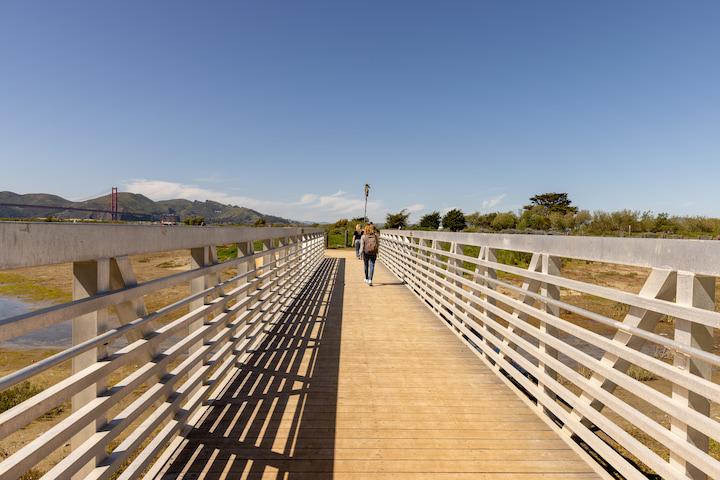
x: 290, y: 107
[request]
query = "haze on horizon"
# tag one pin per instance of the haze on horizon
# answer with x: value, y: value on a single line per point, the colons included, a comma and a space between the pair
x: 290, y: 107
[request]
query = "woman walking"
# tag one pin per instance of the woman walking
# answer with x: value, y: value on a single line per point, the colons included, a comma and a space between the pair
x: 357, y: 235
x: 369, y: 245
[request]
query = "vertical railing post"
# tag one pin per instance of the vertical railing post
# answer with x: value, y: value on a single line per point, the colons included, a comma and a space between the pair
x: 692, y: 291
x: 89, y: 278
x: 199, y: 258
x: 550, y: 266
x: 245, y: 249
x: 261, y: 262
x: 426, y: 258
x: 300, y: 250
x: 293, y: 251
x: 281, y: 256
x: 437, y: 261
x: 531, y: 286
x: 457, y: 264
x: 404, y: 245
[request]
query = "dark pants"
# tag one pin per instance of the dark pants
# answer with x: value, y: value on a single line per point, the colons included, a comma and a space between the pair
x: 369, y: 265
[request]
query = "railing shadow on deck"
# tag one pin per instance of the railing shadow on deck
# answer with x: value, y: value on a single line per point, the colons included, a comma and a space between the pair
x: 277, y: 417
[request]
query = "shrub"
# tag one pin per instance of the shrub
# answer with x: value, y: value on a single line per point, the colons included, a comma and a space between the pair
x: 511, y: 257
x: 582, y: 218
x: 504, y: 221
x: 397, y: 220
x: 195, y: 220
x: 431, y: 220
x: 454, y: 220
x: 478, y: 220
x: 534, y: 219
x: 16, y: 395
x: 664, y: 224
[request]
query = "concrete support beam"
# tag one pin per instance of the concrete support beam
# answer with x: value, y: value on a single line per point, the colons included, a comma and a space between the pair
x: 199, y: 257
x: 697, y: 291
x: 89, y: 278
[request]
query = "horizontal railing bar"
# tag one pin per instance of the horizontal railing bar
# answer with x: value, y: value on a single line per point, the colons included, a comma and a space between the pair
x: 442, y: 288
x: 536, y: 391
x: 633, y: 445
x: 37, y: 449
x: 155, y: 393
x: 56, y: 394
x: 69, y: 426
x: 22, y: 324
x: 122, y: 452
x: 106, y: 337
x: 694, y: 419
x: 699, y: 256
x: 96, y: 444
x: 691, y: 382
x: 28, y: 244
x: 664, y: 307
x: 647, y: 335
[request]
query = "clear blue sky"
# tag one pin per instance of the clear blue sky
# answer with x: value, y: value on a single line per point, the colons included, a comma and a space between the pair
x: 290, y: 107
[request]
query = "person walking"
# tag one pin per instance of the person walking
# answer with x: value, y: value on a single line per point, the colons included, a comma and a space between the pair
x: 357, y: 235
x: 369, y: 246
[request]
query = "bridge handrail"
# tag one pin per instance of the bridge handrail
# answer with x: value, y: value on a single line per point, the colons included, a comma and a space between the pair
x: 520, y: 333
x: 225, y: 318
x: 698, y: 256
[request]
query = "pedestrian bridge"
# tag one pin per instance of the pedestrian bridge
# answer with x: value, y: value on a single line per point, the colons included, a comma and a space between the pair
x: 278, y: 361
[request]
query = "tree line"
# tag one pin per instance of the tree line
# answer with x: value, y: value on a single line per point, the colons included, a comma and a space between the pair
x: 554, y: 212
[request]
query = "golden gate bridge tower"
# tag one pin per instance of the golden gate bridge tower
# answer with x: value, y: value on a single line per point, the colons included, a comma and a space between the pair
x: 114, y: 204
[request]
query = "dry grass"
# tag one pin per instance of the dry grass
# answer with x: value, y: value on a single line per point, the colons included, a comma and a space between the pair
x: 640, y: 374
x: 19, y: 393
x: 30, y: 288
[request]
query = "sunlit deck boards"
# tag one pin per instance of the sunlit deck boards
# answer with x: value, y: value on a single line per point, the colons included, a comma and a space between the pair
x: 363, y: 382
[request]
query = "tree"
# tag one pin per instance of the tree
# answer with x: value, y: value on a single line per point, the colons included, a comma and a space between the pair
x: 397, y: 220
x: 342, y: 223
x: 479, y: 220
x: 260, y: 222
x: 664, y: 224
x: 556, y: 220
x: 454, y: 220
x: 196, y: 220
x: 534, y: 218
x: 582, y: 218
x: 552, y: 202
x: 431, y: 221
x: 504, y: 221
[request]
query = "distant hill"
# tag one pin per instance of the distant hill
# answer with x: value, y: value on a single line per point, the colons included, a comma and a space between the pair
x: 132, y: 206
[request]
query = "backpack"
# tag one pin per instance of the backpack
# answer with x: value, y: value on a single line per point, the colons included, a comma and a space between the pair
x: 371, y: 245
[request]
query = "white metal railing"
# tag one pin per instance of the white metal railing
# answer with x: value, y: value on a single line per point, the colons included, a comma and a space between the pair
x: 185, y: 350
x: 574, y: 364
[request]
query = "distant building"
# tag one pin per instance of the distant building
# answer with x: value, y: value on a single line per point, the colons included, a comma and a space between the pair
x: 169, y: 219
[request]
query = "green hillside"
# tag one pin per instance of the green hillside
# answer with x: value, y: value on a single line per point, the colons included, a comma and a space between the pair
x: 131, y: 203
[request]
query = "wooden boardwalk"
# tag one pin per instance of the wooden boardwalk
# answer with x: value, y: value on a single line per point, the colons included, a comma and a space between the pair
x: 360, y: 382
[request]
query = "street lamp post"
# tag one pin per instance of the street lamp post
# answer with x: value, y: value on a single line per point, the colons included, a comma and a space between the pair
x: 367, y: 192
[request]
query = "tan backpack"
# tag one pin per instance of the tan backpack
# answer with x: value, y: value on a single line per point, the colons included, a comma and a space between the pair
x: 371, y: 244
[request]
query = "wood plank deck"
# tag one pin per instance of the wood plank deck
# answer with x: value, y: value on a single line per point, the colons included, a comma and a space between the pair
x: 360, y: 382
